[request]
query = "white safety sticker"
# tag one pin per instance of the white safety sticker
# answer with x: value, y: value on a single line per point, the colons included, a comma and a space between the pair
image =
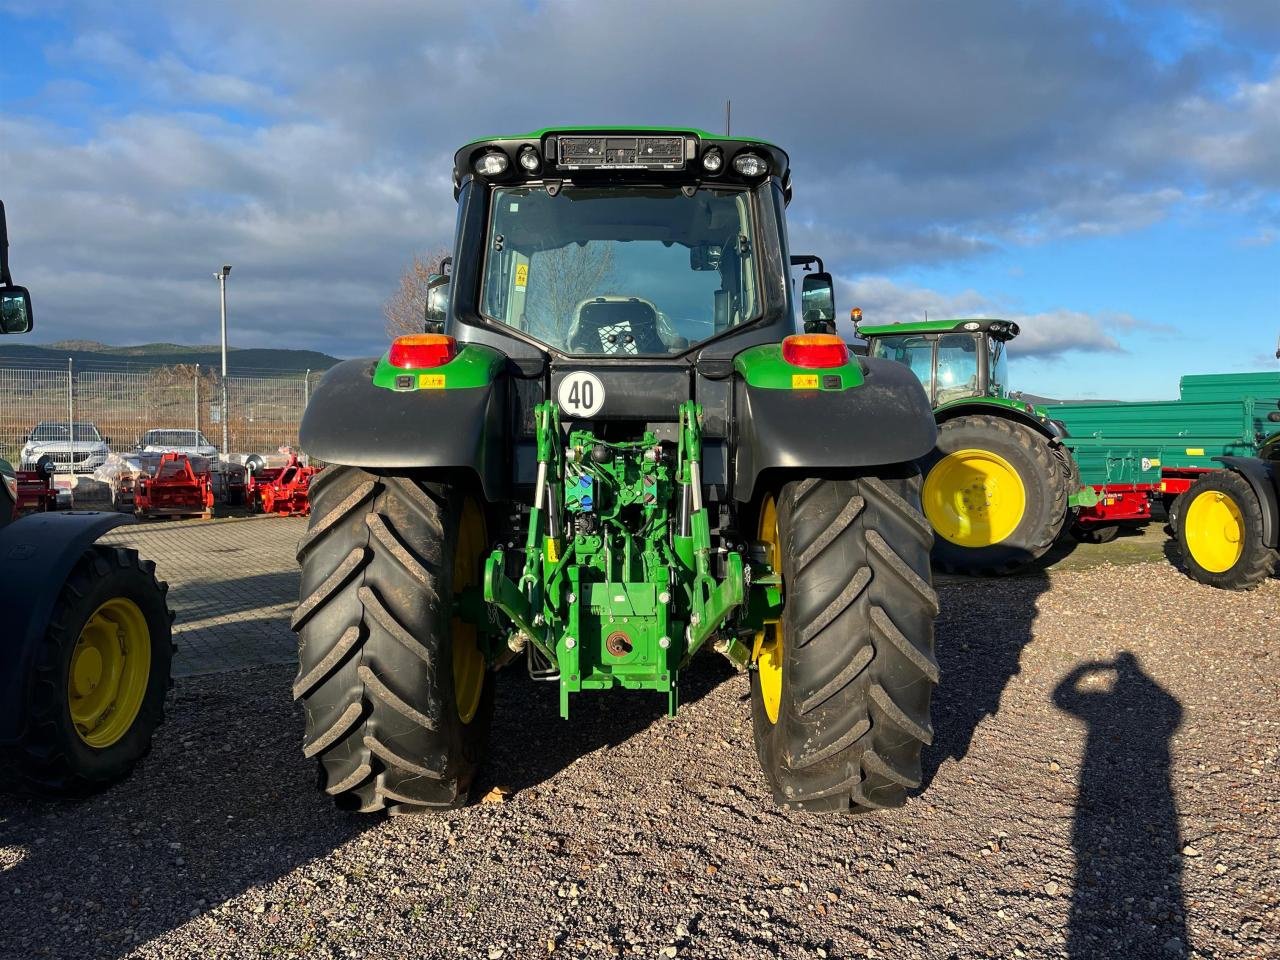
x: 580, y: 394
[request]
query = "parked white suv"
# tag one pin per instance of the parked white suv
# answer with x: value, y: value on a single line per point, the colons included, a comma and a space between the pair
x: 84, y: 452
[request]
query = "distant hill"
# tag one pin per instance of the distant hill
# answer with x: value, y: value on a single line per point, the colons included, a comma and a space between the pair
x: 90, y: 354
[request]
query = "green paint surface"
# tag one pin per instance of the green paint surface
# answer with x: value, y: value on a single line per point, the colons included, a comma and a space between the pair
x: 763, y: 366
x: 474, y: 366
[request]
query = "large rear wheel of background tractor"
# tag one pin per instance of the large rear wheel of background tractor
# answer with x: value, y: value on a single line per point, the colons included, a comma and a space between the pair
x: 1220, y: 533
x: 397, y: 696
x: 996, y: 494
x: 841, y: 685
x: 96, y: 690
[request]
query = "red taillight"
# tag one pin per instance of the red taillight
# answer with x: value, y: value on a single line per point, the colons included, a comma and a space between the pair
x: 420, y: 350
x: 815, y: 350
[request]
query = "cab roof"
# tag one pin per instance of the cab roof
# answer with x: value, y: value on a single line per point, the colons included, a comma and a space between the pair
x: 682, y: 163
x: 1000, y: 329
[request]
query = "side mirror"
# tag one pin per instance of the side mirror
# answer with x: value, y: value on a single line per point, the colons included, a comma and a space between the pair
x: 15, y: 310
x: 437, y: 306
x: 818, y: 303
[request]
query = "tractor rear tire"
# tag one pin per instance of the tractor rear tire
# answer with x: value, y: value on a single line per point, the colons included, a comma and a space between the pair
x: 1220, y: 533
x: 95, y: 693
x: 385, y: 720
x: 996, y: 493
x: 840, y: 725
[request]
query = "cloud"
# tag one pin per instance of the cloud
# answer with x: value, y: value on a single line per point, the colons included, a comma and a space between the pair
x: 312, y: 150
x: 1045, y: 334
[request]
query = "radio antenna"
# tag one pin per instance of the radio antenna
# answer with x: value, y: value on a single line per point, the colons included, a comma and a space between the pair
x: 728, y: 117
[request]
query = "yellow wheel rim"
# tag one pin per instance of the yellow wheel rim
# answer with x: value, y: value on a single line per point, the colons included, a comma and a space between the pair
x: 1214, y: 527
x: 468, y: 661
x: 974, y: 498
x: 767, y: 652
x: 108, y: 674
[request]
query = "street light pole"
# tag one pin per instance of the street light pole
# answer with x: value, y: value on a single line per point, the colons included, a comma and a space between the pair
x: 222, y: 288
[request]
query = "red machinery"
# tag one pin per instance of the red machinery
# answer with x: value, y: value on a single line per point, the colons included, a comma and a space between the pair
x: 281, y: 490
x: 174, y: 490
x: 1132, y: 501
x: 36, y: 492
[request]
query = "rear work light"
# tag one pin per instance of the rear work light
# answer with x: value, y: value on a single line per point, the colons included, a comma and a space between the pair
x: 420, y: 350
x: 815, y: 350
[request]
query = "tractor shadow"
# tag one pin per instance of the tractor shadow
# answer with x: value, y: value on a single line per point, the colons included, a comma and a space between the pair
x: 980, y: 634
x: 530, y: 743
x: 224, y: 803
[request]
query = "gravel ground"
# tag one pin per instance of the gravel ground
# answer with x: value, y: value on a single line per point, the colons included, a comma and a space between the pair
x: 1103, y: 784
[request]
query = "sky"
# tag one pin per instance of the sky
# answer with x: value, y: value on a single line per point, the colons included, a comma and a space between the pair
x: 1107, y: 174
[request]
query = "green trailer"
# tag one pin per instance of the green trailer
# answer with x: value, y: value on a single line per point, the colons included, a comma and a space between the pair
x: 1134, y: 454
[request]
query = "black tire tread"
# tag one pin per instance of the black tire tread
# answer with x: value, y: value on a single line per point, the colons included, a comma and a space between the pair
x: 859, y: 666
x: 374, y: 675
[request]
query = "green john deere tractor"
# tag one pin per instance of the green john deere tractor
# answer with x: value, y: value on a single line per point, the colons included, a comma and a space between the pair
x: 999, y: 484
x: 606, y: 452
x: 85, y: 654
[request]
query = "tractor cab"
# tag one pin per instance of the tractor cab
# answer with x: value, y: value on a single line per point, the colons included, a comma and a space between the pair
x: 953, y: 359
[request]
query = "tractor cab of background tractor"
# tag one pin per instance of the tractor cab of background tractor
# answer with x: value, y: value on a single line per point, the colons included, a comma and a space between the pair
x: 953, y: 359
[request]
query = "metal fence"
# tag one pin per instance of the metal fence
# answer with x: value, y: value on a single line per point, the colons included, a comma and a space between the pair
x: 112, y: 410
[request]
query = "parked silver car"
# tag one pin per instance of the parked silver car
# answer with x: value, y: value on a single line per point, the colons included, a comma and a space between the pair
x: 164, y: 440
x: 84, y: 452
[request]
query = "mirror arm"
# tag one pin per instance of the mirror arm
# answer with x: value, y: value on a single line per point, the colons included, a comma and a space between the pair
x: 6, y: 279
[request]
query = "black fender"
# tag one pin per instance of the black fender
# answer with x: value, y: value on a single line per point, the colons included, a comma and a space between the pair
x: 350, y: 421
x: 1265, y: 482
x: 885, y: 420
x: 37, y: 554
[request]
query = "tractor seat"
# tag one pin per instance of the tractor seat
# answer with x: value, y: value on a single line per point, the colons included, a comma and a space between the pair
x: 616, y: 325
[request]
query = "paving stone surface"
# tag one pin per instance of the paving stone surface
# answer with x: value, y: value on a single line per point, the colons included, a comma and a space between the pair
x: 233, y: 584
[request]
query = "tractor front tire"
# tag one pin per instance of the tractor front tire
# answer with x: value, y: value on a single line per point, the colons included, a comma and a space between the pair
x: 1220, y: 533
x: 396, y: 693
x: 841, y: 686
x: 996, y: 494
x: 95, y: 692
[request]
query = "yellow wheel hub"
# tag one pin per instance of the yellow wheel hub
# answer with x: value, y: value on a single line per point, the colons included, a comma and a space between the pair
x: 1214, y: 527
x: 974, y: 498
x: 468, y: 661
x: 109, y: 671
x: 767, y: 652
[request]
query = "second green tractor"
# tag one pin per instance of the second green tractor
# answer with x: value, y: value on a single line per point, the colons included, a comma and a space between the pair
x: 1000, y: 485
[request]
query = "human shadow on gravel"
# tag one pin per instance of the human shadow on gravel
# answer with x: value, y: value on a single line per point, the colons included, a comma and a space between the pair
x: 980, y: 634
x: 224, y: 803
x: 1127, y: 898
x: 530, y: 743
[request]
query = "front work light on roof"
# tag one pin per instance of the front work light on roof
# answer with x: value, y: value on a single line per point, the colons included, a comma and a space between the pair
x: 420, y: 351
x: 750, y: 165
x: 815, y: 350
x: 529, y: 160
x: 492, y: 164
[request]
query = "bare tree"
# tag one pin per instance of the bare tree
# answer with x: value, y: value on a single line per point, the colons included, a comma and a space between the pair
x: 568, y: 276
x: 405, y: 309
